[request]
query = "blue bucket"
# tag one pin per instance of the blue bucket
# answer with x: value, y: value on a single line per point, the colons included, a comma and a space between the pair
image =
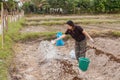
x: 59, y: 42
x: 84, y: 63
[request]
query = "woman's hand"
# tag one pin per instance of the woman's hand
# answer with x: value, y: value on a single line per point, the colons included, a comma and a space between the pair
x: 53, y: 41
x: 91, y: 40
x: 86, y: 34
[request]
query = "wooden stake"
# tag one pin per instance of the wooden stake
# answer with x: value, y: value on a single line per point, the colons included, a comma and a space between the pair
x: 2, y: 21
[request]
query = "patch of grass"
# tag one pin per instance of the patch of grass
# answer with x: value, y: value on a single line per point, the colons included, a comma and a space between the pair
x: 70, y: 17
x: 84, y: 21
x: 115, y: 33
x: 3, y: 71
x: 53, y: 23
x: 6, y: 53
x: 32, y: 36
x: 109, y: 33
x: 52, y: 19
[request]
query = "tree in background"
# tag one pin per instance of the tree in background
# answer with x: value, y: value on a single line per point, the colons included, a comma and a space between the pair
x: 73, y: 6
x: 34, y: 6
x: 84, y: 6
x: 10, y: 5
x: 26, y: 7
x: 68, y: 6
x: 112, y: 6
x: 99, y: 6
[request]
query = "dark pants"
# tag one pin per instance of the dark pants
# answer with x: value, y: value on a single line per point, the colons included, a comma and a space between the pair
x: 80, y: 49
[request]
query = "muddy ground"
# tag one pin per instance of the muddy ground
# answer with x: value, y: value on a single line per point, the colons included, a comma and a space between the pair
x: 102, y: 66
x: 44, y: 61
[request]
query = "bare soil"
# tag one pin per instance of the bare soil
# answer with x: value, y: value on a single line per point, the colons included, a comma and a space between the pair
x: 28, y: 65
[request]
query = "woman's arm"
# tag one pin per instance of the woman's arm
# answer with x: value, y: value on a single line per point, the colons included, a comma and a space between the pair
x: 54, y: 41
x: 63, y: 36
x: 86, y: 34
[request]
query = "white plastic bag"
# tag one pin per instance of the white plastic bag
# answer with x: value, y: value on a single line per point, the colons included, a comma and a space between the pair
x: 72, y: 54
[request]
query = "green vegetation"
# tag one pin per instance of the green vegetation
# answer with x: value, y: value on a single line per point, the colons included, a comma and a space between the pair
x: 73, y: 18
x: 52, y: 19
x: 60, y: 19
x: 115, y: 33
x: 73, y: 6
x: 3, y: 71
x: 9, y: 5
x: 32, y: 36
x: 6, y: 53
x: 77, y: 21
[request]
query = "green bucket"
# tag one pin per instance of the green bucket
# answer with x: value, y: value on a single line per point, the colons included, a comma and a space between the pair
x: 84, y: 63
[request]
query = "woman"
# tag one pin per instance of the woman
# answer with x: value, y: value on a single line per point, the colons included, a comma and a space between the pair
x: 79, y: 35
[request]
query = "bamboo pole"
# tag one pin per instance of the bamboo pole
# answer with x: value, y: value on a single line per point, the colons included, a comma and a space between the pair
x: 2, y: 21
